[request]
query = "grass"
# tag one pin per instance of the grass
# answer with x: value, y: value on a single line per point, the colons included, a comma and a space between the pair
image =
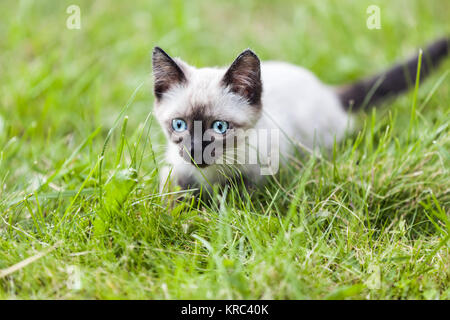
x: 80, y: 213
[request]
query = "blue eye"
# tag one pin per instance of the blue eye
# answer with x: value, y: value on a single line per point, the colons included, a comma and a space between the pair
x: 179, y: 125
x: 220, y: 126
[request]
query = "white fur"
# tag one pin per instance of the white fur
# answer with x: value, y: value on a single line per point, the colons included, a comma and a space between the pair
x: 306, y: 110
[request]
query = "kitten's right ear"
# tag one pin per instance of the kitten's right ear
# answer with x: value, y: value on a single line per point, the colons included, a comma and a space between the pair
x: 166, y: 72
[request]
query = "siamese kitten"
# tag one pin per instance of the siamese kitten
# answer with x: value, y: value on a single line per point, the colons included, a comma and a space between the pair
x: 246, y: 120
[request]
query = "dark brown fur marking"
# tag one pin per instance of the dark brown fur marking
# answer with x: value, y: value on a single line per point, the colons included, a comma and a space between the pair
x: 191, y: 145
x: 402, y: 76
x: 244, y: 77
x: 165, y: 71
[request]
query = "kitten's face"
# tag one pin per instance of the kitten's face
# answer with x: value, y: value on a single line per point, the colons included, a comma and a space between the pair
x: 203, y: 110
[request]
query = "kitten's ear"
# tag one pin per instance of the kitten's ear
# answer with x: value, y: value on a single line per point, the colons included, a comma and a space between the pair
x: 244, y: 77
x: 166, y: 72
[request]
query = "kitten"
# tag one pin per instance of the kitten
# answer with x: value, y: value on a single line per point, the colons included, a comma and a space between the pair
x: 244, y: 121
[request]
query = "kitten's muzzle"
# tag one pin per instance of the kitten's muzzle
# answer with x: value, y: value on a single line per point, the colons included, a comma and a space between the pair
x: 198, y: 153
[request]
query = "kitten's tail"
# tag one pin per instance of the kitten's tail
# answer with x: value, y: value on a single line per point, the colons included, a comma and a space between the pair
x: 399, y: 78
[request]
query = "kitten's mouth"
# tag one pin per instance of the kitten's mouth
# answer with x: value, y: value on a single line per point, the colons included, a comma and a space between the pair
x: 200, y: 165
x: 203, y: 163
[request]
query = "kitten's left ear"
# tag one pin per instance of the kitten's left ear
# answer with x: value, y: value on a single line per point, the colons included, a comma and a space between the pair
x: 166, y: 72
x: 244, y: 77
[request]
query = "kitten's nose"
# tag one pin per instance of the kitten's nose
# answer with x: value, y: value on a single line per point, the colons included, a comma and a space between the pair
x: 196, y: 153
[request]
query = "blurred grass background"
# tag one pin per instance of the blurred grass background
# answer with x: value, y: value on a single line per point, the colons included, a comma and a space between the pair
x: 58, y: 86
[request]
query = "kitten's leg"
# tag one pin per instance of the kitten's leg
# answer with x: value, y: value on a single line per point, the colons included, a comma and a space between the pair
x: 177, y: 178
x: 251, y: 178
x: 164, y: 179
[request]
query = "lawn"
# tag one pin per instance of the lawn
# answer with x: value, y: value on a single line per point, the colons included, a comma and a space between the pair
x: 80, y: 211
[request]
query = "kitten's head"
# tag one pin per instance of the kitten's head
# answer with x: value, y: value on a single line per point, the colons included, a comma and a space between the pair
x: 202, y: 109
